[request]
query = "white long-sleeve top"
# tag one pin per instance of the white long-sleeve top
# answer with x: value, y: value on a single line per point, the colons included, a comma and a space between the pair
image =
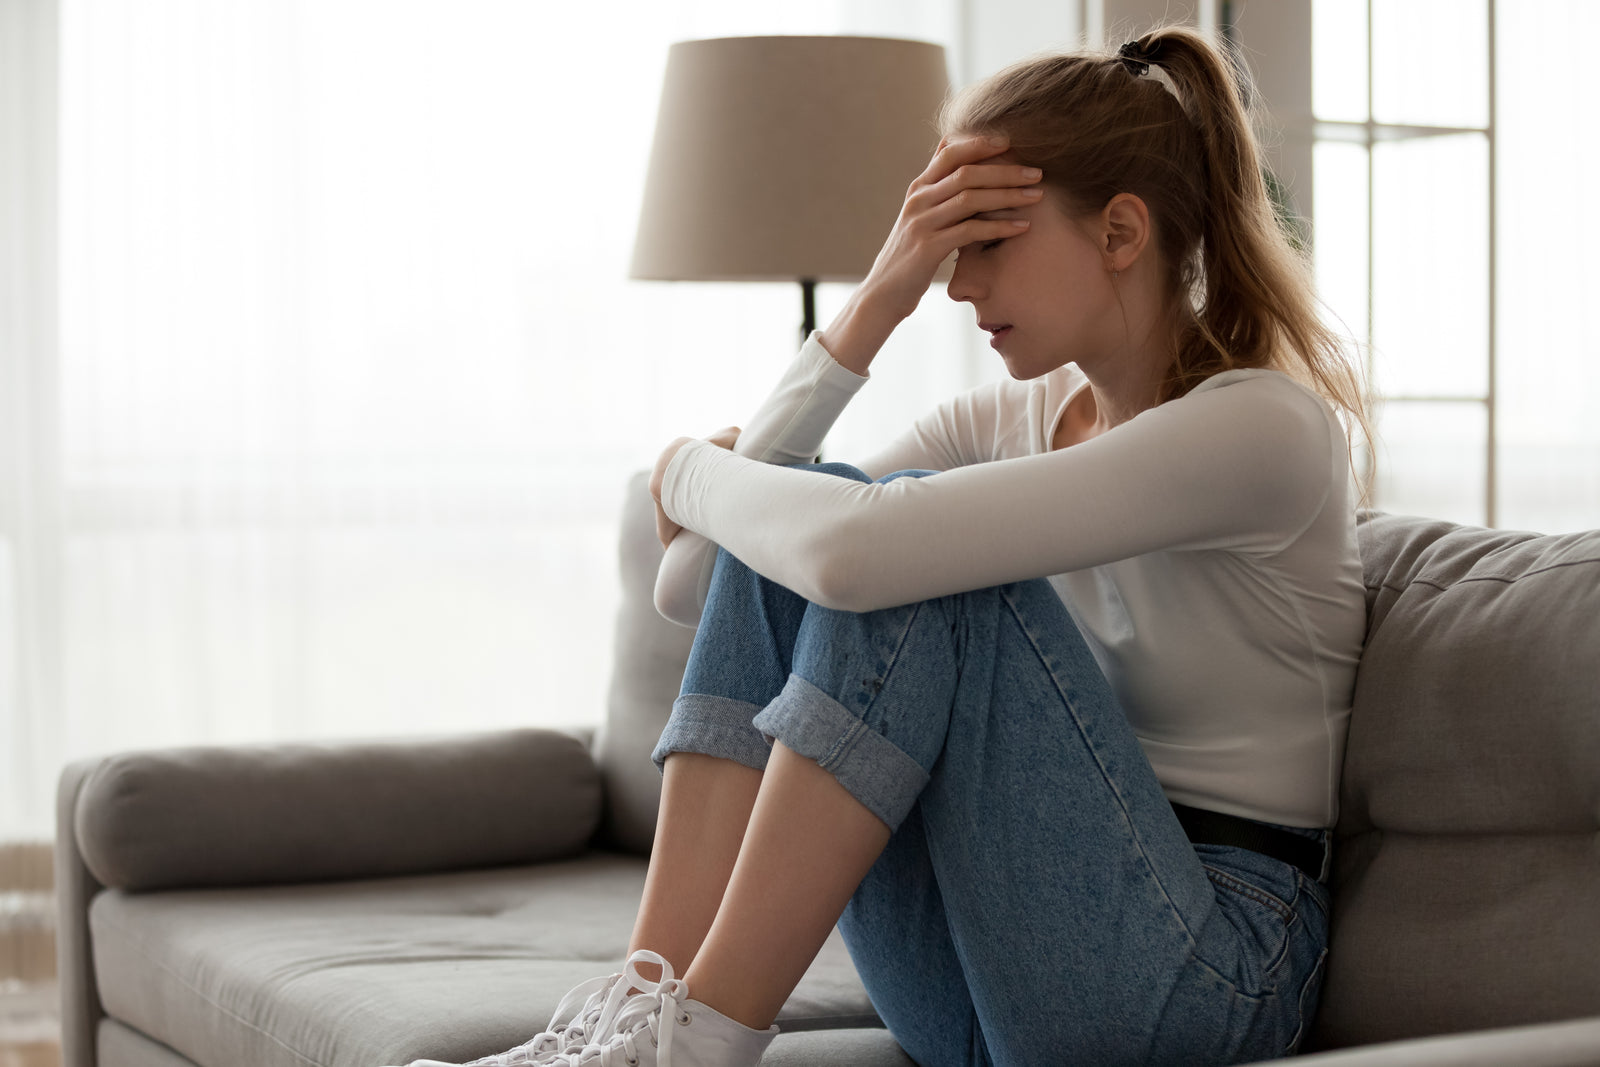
x: 1206, y: 549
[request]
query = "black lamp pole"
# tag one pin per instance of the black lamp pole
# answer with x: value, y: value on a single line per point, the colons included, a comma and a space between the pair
x: 808, y: 307
x: 808, y: 320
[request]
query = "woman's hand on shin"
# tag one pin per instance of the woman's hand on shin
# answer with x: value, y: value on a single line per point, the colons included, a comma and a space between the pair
x: 938, y: 217
x: 666, y: 529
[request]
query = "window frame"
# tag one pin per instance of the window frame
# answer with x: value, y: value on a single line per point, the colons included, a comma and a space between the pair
x: 1369, y: 134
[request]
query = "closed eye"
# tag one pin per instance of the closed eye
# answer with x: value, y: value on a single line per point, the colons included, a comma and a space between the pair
x: 980, y: 246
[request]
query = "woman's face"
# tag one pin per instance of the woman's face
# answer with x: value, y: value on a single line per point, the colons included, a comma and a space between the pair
x: 1045, y: 295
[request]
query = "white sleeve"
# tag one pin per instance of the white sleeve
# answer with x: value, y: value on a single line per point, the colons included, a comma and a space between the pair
x: 788, y: 428
x: 1244, y: 465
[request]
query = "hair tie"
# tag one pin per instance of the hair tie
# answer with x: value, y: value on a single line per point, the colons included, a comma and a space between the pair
x: 1139, y: 56
x: 1134, y: 58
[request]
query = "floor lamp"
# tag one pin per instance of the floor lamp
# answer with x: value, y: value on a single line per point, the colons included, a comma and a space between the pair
x: 785, y: 158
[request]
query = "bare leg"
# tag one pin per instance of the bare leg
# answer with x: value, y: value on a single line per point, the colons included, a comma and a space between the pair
x: 705, y: 808
x: 808, y: 846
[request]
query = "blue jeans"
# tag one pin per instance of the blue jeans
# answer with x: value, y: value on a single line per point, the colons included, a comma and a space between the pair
x: 1038, y: 902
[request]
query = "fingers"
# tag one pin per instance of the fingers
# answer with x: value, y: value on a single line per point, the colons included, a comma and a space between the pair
x: 946, y: 212
x: 967, y: 217
x: 982, y: 176
x: 952, y: 155
x: 666, y: 529
x: 958, y: 185
x: 964, y: 158
x: 726, y: 437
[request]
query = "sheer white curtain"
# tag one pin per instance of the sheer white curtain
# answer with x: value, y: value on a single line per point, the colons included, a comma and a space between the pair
x: 348, y: 377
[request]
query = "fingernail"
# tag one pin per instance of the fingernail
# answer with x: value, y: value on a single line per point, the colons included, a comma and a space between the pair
x: 1021, y: 224
x: 1032, y: 174
x: 998, y: 141
x: 1034, y: 192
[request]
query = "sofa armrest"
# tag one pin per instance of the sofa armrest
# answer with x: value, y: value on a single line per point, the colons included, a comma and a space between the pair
x: 254, y: 815
x: 1572, y: 1043
x: 75, y: 888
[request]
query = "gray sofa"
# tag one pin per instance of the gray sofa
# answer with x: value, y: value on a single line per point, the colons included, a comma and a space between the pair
x: 363, y: 904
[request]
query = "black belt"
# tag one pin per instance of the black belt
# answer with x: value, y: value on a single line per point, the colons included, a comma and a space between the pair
x: 1214, y: 828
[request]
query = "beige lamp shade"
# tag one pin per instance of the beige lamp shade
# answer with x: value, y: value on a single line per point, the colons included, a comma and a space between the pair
x: 785, y: 158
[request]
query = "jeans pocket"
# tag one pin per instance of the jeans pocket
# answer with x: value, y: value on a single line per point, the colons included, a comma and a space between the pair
x: 1271, y: 941
x: 1262, y: 921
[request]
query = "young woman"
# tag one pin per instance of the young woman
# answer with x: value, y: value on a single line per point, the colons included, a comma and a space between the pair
x: 1053, y: 734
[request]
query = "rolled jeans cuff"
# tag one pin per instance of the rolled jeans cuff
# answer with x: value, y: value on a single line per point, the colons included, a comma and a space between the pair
x: 870, y: 766
x: 713, y: 726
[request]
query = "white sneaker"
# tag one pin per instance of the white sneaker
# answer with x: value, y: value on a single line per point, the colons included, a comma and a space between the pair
x: 662, y: 1027
x: 583, y: 1017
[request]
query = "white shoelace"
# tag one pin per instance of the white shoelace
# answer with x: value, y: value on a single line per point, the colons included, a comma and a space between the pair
x: 627, y: 1020
x: 575, y: 1024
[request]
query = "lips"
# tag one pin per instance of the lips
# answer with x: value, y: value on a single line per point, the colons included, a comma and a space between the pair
x: 997, y: 331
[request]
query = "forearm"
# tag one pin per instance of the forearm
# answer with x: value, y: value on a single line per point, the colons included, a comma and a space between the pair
x: 839, y: 543
x: 860, y: 329
x: 1142, y: 487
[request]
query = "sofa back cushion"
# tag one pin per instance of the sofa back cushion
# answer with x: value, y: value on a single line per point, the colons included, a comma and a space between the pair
x: 649, y: 654
x: 1467, y: 872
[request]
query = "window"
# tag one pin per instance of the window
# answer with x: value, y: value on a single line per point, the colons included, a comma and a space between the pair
x: 1451, y: 238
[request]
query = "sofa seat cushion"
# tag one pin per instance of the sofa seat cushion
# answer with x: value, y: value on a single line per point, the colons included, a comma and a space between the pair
x: 1467, y: 863
x: 358, y: 974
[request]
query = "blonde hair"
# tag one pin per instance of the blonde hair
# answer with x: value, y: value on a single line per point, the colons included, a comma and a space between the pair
x: 1098, y: 126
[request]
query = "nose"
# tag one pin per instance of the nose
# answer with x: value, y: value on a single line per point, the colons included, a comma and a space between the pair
x: 963, y: 285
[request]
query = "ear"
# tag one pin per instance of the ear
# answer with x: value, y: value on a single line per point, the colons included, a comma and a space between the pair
x: 1124, y: 231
